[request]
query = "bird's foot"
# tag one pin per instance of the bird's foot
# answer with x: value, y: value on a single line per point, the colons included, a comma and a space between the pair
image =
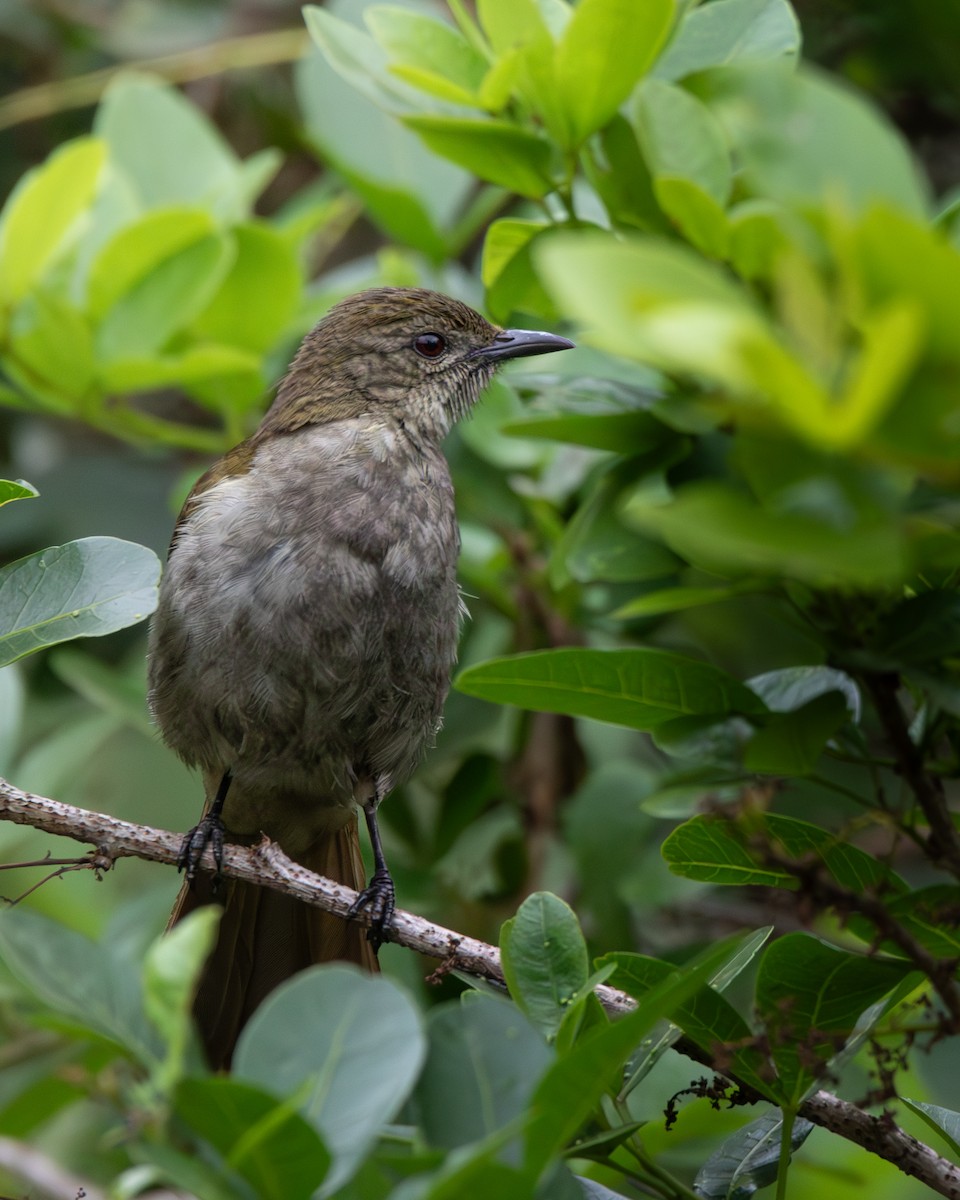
x: 209, y: 832
x: 379, y: 900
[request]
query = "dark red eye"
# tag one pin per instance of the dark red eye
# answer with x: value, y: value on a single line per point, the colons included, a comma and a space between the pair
x: 429, y: 345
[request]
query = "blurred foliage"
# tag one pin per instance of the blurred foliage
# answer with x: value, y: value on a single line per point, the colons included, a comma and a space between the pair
x: 711, y: 677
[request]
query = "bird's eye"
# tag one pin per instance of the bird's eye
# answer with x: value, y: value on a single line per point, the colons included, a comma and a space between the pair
x: 429, y: 345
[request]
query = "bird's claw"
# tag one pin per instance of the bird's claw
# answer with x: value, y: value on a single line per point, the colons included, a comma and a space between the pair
x: 379, y: 900
x: 209, y: 832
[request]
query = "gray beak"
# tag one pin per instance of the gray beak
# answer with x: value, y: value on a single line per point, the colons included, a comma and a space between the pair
x: 521, y: 343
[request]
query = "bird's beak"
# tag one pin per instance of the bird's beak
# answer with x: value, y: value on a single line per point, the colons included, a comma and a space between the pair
x: 521, y: 343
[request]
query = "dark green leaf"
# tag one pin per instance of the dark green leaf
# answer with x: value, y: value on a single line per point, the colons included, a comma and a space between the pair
x: 623, y: 432
x: 639, y: 688
x: 83, y: 589
x: 721, y: 850
x: 923, y: 629
x: 544, y: 959
x: 266, y: 1142
x: 791, y: 743
x: 790, y: 688
x: 811, y: 996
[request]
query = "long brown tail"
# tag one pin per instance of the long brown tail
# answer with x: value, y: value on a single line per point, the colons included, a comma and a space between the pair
x: 265, y: 937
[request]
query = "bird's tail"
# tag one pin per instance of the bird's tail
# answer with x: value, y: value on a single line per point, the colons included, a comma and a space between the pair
x: 265, y: 937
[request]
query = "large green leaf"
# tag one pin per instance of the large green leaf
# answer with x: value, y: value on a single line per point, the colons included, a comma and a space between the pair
x: 682, y: 139
x: 811, y: 996
x: 348, y: 1045
x: 717, y: 850
x: 606, y: 48
x: 41, y: 214
x: 639, y: 688
x: 484, y: 1061
x: 749, y: 1159
x: 790, y: 744
x: 83, y: 589
x: 51, y: 341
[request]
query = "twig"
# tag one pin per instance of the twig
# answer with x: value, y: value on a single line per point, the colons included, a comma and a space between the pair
x: 268, y: 866
x: 943, y: 844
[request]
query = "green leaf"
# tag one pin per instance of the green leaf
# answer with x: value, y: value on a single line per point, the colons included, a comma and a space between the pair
x: 259, y: 294
x: 943, y: 1121
x: 811, y: 996
x: 830, y: 141
x: 497, y: 151
x: 790, y: 744
x: 171, y: 969
x: 721, y: 530
x: 707, y: 1018
x: 86, y: 588
x: 677, y: 599
x: 139, y: 249
x: 698, y: 216
x: 51, y: 340
x: 573, y: 1087
x: 94, y: 985
x: 198, y: 364
x: 932, y: 916
x: 414, y: 40
x: 728, y: 32
x: 40, y: 219
x: 544, y: 959
x: 167, y: 149
x: 682, y: 139
x: 348, y: 1044
x: 171, y: 296
x: 412, y: 193
x: 363, y: 63
x: 922, y: 629
x: 268, y: 1143
x: 507, y: 269
x: 717, y: 850
x: 638, y: 688
x: 790, y: 688
x: 622, y: 432
x: 619, y: 175
x: 749, y: 1159
x: 483, y: 1064
x: 597, y: 66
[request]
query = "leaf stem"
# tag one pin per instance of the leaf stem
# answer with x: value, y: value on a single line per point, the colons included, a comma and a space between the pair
x: 786, y: 1141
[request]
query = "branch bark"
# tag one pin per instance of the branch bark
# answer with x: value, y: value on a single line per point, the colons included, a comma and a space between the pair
x: 267, y: 865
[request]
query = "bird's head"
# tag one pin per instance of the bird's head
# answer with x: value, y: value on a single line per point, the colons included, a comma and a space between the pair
x: 406, y: 353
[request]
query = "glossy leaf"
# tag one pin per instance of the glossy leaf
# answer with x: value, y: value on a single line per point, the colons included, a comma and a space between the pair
x: 716, y: 850
x: 639, y: 688
x: 544, y: 958
x: 84, y: 589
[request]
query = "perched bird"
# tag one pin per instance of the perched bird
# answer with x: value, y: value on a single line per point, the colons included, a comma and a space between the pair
x: 307, y: 624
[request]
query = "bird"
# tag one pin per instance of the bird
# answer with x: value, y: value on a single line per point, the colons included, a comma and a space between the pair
x: 307, y: 625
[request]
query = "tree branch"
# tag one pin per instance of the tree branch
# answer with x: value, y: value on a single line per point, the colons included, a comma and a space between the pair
x: 268, y: 866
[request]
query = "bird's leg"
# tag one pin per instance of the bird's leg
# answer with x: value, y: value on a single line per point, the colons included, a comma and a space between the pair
x: 379, y: 897
x: 208, y: 832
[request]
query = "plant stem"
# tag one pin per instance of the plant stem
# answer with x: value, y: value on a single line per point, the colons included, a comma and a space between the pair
x: 786, y: 1136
